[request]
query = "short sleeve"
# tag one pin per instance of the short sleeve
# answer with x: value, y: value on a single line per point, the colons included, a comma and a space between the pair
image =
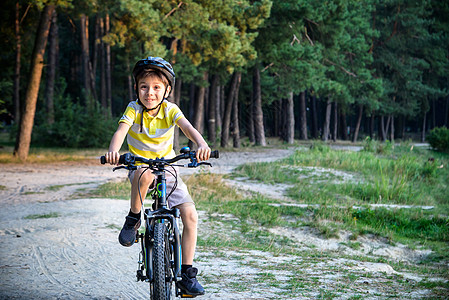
x: 129, y: 116
x: 175, y: 113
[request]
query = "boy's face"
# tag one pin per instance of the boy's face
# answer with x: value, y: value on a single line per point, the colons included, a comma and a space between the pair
x: 151, y: 91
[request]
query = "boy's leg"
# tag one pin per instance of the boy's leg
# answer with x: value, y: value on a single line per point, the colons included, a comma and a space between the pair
x: 128, y: 233
x: 145, y: 181
x: 189, y: 217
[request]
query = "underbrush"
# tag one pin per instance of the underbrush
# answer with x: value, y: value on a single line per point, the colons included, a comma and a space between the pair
x: 411, y: 183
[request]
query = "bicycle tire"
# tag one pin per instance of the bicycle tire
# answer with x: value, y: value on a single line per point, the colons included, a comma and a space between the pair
x: 162, y: 282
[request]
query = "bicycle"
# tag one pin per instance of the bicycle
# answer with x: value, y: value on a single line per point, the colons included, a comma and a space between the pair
x: 160, y: 256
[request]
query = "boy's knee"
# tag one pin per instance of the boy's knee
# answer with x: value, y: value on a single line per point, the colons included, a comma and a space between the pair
x: 189, y: 215
x: 145, y: 180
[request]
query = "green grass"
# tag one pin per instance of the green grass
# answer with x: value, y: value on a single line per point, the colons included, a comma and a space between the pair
x: 113, y: 189
x: 57, y: 187
x: 392, y: 175
x: 396, y: 175
x: 42, y: 216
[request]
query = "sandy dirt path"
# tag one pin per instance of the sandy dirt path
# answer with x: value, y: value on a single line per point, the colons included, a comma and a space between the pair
x: 74, y: 254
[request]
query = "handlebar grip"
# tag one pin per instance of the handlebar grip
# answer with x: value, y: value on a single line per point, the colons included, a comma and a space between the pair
x: 122, y: 159
x: 214, y: 154
x: 103, y: 160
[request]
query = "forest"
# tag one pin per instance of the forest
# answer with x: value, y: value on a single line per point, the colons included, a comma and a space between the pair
x: 245, y: 70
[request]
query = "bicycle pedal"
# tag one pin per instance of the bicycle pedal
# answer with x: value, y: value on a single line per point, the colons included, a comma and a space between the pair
x: 184, y: 294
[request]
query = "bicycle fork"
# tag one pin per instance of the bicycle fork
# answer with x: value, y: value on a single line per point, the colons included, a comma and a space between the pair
x: 145, y: 266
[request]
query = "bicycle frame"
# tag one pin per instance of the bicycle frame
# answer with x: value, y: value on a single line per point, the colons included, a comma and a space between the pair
x: 161, y: 214
x: 164, y: 215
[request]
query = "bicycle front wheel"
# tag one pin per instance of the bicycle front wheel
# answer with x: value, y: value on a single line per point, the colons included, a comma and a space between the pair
x: 162, y: 279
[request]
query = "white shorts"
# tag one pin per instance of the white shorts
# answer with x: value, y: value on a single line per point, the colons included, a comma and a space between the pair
x: 179, y: 196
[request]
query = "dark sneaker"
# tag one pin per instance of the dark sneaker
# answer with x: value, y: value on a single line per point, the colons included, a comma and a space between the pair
x: 189, y: 285
x: 127, y: 236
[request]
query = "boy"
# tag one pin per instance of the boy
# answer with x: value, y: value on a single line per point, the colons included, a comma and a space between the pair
x: 149, y: 124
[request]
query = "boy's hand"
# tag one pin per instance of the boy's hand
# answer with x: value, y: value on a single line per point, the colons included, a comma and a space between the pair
x: 203, y: 152
x: 112, y: 157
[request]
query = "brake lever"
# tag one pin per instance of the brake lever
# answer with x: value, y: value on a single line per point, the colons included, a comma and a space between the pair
x: 125, y: 167
x: 205, y: 164
x: 195, y: 164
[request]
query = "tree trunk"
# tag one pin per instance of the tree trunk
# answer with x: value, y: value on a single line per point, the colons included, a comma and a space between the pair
x: 371, y: 126
x: 221, y: 109
x: 130, y: 82
x: 344, y: 125
x: 16, y: 84
x: 259, y: 129
x: 85, y: 58
x: 335, y: 127
x: 383, y: 134
x: 387, y: 127
x: 315, y: 134
x: 434, y: 122
x: 51, y: 73
x: 108, y: 69
x: 97, y: 35
x: 251, y: 136
x: 424, y: 125
x: 446, y: 114
x: 227, y: 114
x: 37, y: 64
x: 290, y: 119
x: 235, y: 117
x: 302, y: 116
x: 392, y: 129
x: 327, y: 121
x: 213, y: 99
x: 357, y: 125
x: 103, y: 93
x: 192, y: 101
x: 177, y: 100
x: 198, y: 122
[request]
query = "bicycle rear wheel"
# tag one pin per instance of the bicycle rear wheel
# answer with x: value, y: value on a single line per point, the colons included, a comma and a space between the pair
x: 161, y: 287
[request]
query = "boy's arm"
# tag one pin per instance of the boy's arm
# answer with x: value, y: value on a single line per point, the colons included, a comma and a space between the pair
x: 113, y: 155
x: 203, y: 152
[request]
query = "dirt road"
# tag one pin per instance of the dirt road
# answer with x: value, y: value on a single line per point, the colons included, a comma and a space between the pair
x: 74, y: 253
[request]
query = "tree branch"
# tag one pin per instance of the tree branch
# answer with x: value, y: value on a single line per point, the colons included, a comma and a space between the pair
x: 172, y: 11
x: 343, y: 69
x: 307, y: 36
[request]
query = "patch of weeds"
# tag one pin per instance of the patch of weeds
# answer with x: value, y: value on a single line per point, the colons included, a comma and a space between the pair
x: 113, y: 189
x: 57, y: 187
x: 353, y: 245
x: 266, y: 277
x: 326, y: 294
x: 356, y: 297
x: 43, y: 216
x: 113, y: 227
x: 32, y: 193
x: 407, y: 223
x: 2, y: 187
x: 327, y: 230
x: 238, y: 285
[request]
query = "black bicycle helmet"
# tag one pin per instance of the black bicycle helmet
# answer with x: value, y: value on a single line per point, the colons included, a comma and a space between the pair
x: 155, y: 63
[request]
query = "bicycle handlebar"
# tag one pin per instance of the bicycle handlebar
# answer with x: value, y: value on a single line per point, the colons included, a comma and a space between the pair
x: 130, y: 159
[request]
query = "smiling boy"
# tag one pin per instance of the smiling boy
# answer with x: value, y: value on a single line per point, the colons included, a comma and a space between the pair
x: 149, y: 124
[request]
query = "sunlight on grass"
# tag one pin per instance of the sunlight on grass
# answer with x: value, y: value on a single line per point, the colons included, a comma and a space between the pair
x: 50, y: 155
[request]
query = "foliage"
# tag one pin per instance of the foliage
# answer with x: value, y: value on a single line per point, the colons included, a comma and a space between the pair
x: 389, y: 57
x: 438, y: 138
x: 75, y: 126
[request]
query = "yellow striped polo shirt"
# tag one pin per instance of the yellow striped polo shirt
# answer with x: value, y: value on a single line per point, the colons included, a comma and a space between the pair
x: 155, y: 138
